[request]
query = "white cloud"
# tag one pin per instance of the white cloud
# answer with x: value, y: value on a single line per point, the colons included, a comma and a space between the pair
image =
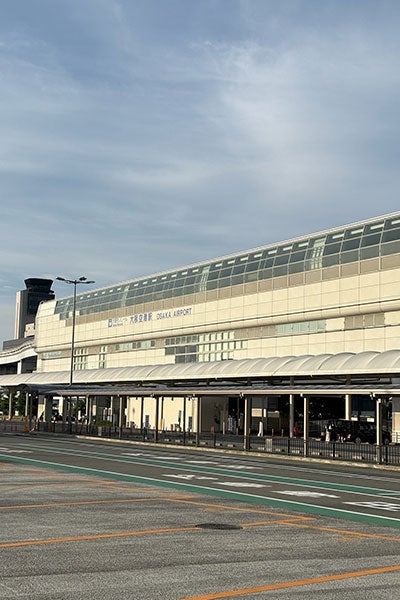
x: 130, y: 144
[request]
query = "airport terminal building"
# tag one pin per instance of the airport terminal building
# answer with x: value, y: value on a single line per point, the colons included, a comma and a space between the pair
x: 304, y: 316
x: 331, y: 292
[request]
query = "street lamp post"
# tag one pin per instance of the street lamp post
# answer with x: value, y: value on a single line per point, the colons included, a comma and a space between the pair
x: 74, y: 282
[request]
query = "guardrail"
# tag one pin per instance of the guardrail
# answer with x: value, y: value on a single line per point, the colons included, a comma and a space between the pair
x: 7, y: 426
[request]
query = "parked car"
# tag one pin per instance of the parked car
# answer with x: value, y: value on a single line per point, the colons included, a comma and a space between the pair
x: 358, y: 432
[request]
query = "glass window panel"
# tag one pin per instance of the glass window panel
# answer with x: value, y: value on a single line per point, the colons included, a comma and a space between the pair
x: 391, y: 235
x: 237, y: 279
x: 314, y: 253
x: 237, y: 269
x: 280, y: 271
x: 347, y: 257
x: 226, y: 272
x: 334, y: 238
x: 332, y: 248
x: 212, y: 285
x: 225, y: 282
x: 252, y: 266
x: 373, y: 228
x: 331, y: 260
x: 266, y: 263
x: 369, y: 252
x: 391, y: 248
x: 213, y: 275
x: 266, y: 273
x: 189, y: 289
x: 281, y: 259
x: 297, y: 267
x: 252, y: 276
x: 371, y: 240
x: 168, y: 285
x: 300, y: 245
x: 216, y: 267
x: 351, y: 244
x: 392, y: 224
x: 298, y: 256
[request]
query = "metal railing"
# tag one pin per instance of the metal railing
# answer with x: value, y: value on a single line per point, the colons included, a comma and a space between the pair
x: 279, y: 445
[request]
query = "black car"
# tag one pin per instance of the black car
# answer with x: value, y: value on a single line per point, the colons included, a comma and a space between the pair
x: 358, y: 432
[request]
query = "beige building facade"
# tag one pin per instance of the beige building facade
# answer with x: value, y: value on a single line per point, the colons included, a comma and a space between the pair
x: 347, y: 307
x: 331, y: 292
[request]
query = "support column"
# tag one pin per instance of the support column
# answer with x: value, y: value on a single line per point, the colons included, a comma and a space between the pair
x: 306, y: 403
x: 64, y: 412
x: 48, y: 408
x: 111, y: 410
x: 198, y: 419
x: 347, y: 407
x: 263, y: 421
x: 247, y: 422
x: 89, y: 410
x: 156, y: 417
x: 30, y: 411
x: 26, y: 404
x: 378, y: 423
x: 141, y: 413
x: 291, y: 415
x: 162, y: 426
x: 120, y: 424
x: 184, y: 420
x: 10, y: 404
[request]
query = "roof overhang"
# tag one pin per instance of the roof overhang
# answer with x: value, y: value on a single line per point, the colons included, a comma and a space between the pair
x: 375, y: 391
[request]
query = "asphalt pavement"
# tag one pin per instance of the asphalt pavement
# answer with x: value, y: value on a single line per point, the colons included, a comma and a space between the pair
x: 85, y: 519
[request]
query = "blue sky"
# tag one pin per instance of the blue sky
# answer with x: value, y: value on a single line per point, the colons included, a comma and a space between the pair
x: 142, y: 135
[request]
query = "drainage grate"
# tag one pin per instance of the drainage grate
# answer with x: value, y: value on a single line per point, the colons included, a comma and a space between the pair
x: 224, y: 526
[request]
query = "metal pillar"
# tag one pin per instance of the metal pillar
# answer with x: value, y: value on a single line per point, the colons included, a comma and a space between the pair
x: 141, y: 413
x: 48, y: 408
x: 291, y: 414
x: 120, y: 424
x: 10, y: 404
x: 184, y: 419
x: 111, y: 410
x: 306, y: 403
x: 247, y: 422
x: 347, y: 407
x: 198, y: 424
x: 378, y: 423
x: 26, y: 404
x: 162, y: 414
x: 30, y: 411
x: 157, y: 416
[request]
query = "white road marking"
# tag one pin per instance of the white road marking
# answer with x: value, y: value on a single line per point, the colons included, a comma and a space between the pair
x: 306, y: 494
x: 379, y: 505
x: 242, y: 484
x: 188, y: 477
x: 155, y: 457
x: 15, y: 451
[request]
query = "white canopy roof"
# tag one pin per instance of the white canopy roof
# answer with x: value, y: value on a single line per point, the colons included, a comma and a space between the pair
x: 322, y: 365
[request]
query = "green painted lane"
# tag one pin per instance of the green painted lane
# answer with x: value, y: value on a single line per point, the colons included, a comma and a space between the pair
x: 210, y: 470
x: 233, y: 495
